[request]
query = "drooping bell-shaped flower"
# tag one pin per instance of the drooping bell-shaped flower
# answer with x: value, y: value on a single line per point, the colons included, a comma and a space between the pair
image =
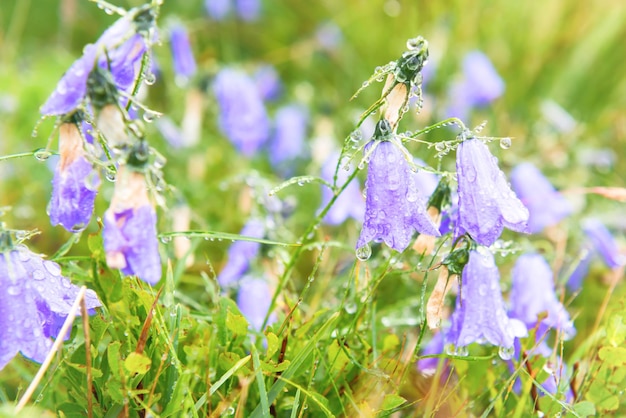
x: 350, y: 203
x: 394, y: 207
x: 604, y: 243
x: 480, y: 314
x: 268, y: 82
x: 486, y: 202
x: 75, y: 182
x: 242, y: 118
x: 546, y: 206
x: 289, y: 140
x: 241, y: 254
x: 254, y: 299
x: 182, y: 55
x: 35, y: 299
x: 533, y: 294
x: 130, y: 234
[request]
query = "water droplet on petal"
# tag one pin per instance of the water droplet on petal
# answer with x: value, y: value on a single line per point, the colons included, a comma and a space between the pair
x: 38, y: 275
x: 14, y: 290
x: 52, y: 267
x: 364, y: 253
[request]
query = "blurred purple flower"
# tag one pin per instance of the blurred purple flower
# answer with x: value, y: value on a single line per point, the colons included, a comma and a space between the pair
x: 426, y: 181
x: 217, y: 9
x: 604, y: 243
x: 580, y: 272
x: 248, y: 10
x: 241, y: 254
x: 268, y: 82
x: 182, y: 55
x: 486, y: 202
x: 479, y: 86
x: 350, y: 203
x: 75, y: 182
x: 480, y: 315
x: 34, y: 300
x: 558, y: 381
x: 532, y: 293
x: 394, y: 208
x: 242, y: 118
x: 545, y: 205
x: 254, y: 299
x: 130, y: 235
x: 170, y: 131
x: 428, y: 366
x: 289, y: 140
x: 328, y: 35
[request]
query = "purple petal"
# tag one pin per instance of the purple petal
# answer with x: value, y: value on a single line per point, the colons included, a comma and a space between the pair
x: 241, y: 253
x: 486, y: 202
x: 254, y: 299
x: 350, y: 203
x: 395, y: 208
x: 268, y: 82
x: 545, y: 205
x: 248, y: 10
x: 217, y: 9
x: 182, y: 55
x: 483, y: 83
x: 604, y: 243
x: 289, y: 140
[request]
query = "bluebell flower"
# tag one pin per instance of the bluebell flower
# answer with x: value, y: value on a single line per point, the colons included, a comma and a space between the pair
x: 604, y: 243
x: 581, y: 270
x: 479, y: 86
x: 75, y: 182
x: 218, y: 9
x: 254, y: 299
x: 486, y: 202
x: 124, y: 62
x: 480, y: 314
x: 72, y: 88
x: 35, y: 299
x: 428, y: 366
x: 248, y: 10
x: 182, y: 55
x: 532, y: 293
x: 130, y: 234
x: 348, y: 204
x: 241, y: 254
x: 394, y: 207
x: 545, y: 205
x: 268, y: 82
x: 289, y: 140
x: 243, y: 118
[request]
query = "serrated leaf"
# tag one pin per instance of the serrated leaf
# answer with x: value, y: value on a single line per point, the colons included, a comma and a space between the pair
x: 237, y: 324
x: 392, y: 401
x: 137, y: 363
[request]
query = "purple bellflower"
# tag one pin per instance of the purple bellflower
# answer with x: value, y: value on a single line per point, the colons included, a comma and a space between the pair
x: 254, y: 299
x: 72, y: 88
x: 130, y: 235
x: 242, y: 118
x: 428, y: 366
x: 532, y: 293
x: 480, y: 314
x: 349, y: 203
x: 217, y: 9
x: 241, y: 254
x: 604, y: 243
x: 248, y: 10
x: 486, y: 202
x: 75, y: 182
x: 394, y: 207
x: 182, y: 55
x: 575, y: 280
x: 125, y: 61
x: 35, y: 299
x: 328, y: 35
x: 545, y: 205
x: 289, y: 140
x: 268, y: 82
x: 479, y: 86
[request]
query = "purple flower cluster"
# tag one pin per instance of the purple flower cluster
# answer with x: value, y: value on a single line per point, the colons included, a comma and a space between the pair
x: 247, y: 10
x: 486, y: 202
x: 243, y: 118
x: 545, y: 205
x: 394, y: 207
x: 130, y: 235
x: 35, y: 299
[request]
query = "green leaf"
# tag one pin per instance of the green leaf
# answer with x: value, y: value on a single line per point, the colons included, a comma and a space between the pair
x: 616, y: 331
x: 236, y: 323
x: 137, y: 363
x: 392, y: 401
x: 221, y: 236
x: 614, y: 356
x: 584, y: 409
x: 260, y: 380
x: 272, y: 344
x: 390, y: 342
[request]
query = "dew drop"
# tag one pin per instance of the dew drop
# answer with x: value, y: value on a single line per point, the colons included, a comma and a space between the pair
x: 462, y: 351
x: 110, y: 174
x: 350, y: 308
x: 149, y: 79
x: 13, y: 290
x: 42, y: 154
x: 364, y: 253
x: 165, y: 239
x: 506, y: 353
x: 39, y: 275
x: 52, y: 267
x: 505, y: 143
x: 440, y: 146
